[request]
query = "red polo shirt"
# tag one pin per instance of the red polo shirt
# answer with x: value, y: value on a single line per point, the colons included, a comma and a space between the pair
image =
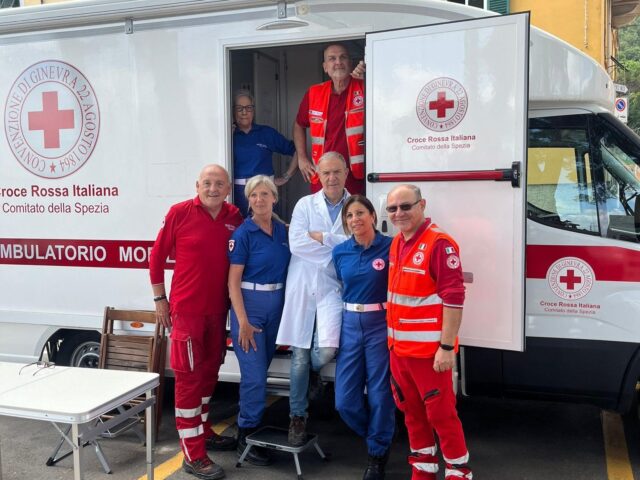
x: 449, y: 281
x: 199, y: 245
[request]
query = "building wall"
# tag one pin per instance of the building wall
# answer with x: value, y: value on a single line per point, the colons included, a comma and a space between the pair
x: 585, y: 24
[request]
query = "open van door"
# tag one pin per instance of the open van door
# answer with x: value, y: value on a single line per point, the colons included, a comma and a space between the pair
x: 447, y: 111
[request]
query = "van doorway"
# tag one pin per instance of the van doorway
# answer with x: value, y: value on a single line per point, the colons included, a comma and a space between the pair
x: 278, y: 78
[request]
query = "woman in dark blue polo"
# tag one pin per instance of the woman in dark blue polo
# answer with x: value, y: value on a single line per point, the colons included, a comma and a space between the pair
x: 253, y: 149
x: 259, y: 257
x: 362, y: 264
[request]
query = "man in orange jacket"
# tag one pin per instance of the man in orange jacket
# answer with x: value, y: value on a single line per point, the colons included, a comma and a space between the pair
x: 333, y: 111
x: 424, y: 312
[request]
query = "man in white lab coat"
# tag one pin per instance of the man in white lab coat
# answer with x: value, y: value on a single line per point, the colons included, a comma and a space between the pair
x: 313, y: 306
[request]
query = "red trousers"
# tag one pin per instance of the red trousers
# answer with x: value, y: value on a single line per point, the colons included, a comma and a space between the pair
x: 198, y: 346
x: 427, y: 399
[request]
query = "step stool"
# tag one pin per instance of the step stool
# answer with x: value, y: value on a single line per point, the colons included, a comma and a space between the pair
x: 276, y: 439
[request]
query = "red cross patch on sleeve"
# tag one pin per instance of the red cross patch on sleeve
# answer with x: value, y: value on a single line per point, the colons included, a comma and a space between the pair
x: 453, y: 262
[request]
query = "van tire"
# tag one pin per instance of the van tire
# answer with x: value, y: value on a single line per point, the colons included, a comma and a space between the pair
x: 80, y: 350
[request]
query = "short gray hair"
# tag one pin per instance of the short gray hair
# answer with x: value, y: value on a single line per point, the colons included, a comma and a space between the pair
x: 255, y: 182
x: 328, y: 155
x: 242, y: 93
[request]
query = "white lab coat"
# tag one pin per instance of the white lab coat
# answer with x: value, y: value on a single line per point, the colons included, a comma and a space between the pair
x: 312, y: 286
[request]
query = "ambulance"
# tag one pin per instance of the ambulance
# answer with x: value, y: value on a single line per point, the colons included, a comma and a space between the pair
x: 111, y: 107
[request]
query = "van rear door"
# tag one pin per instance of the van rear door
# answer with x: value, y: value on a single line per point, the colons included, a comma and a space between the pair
x: 447, y: 111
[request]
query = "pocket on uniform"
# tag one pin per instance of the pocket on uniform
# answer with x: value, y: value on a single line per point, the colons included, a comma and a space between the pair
x: 181, y: 352
x: 418, y: 320
x: 398, y: 396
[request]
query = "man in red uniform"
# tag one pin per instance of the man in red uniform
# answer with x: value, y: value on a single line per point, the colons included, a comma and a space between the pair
x: 197, y: 231
x: 334, y: 113
x: 424, y: 312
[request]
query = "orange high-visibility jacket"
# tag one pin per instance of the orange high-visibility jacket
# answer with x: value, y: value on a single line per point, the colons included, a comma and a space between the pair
x: 414, y: 308
x: 354, y: 123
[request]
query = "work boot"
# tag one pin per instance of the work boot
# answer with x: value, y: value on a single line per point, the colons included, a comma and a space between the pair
x: 297, y: 431
x: 203, y: 468
x: 375, y: 467
x: 258, y: 456
x: 220, y: 442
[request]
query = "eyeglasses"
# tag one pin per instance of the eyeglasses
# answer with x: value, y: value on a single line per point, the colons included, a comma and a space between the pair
x: 244, y: 108
x: 405, y: 207
x: 40, y: 365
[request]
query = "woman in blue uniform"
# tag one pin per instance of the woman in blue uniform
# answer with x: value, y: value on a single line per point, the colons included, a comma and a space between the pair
x: 253, y: 148
x: 259, y: 257
x: 362, y: 264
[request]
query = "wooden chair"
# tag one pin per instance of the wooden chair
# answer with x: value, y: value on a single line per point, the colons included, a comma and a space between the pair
x: 124, y: 351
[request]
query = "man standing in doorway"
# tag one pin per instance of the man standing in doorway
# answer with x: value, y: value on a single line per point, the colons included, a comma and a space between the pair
x: 312, y: 302
x: 424, y: 313
x: 198, y: 232
x: 334, y: 113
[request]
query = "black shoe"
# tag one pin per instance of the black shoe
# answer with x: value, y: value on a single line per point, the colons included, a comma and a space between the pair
x: 376, y: 466
x: 258, y: 456
x: 203, y: 468
x: 220, y: 443
x: 297, y: 435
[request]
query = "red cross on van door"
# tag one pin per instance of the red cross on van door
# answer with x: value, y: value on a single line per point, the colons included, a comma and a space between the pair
x: 51, y: 120
x: 441, y: 105
x: 570, y: 279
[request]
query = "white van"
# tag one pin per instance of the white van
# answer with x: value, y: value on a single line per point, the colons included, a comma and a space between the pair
x: 112, y: 107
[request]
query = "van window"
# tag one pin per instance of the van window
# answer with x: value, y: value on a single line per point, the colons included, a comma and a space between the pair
x: 584, y: 175
x: 620, y: 159
x: 560, y: 188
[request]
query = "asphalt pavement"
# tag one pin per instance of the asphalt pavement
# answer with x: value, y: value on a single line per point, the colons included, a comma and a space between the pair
x: 507, y: 439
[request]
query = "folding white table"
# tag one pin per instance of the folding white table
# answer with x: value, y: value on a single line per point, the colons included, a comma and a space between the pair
x: 77, y: 396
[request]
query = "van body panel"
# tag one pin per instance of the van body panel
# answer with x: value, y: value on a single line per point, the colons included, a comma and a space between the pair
x: 160, y: 71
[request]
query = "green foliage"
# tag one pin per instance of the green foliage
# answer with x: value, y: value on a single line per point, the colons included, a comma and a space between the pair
x: 629, y: 56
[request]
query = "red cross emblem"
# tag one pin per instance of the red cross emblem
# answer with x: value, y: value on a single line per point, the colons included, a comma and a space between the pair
x: 441, y: 105
x: 51, y: 120
x: 570, y: 279
x: 378, y: 264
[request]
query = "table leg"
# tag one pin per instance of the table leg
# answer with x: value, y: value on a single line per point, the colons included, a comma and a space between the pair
x: 150, y: 431
x: 78, y: 473
x: 0, y: 459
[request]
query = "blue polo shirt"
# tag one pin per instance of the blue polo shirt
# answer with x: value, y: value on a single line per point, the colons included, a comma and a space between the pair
x: 265, y: 258
x: 364, y: 273
x: 253, y: 151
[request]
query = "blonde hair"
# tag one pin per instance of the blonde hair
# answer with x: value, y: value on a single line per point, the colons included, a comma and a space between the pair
x: 255, y: 182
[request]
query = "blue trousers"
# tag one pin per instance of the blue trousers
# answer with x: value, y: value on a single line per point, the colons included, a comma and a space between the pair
x: 240, y: 200
x: 363, y: 361
x: 264, y: 310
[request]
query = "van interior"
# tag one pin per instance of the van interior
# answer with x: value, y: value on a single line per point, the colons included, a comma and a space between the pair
x: 278, y: 78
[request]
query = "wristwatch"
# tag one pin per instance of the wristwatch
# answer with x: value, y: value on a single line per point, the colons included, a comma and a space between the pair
x: 446, y: 348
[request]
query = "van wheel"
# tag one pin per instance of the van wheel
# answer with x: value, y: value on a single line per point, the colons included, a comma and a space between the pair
x: 80, y: 350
